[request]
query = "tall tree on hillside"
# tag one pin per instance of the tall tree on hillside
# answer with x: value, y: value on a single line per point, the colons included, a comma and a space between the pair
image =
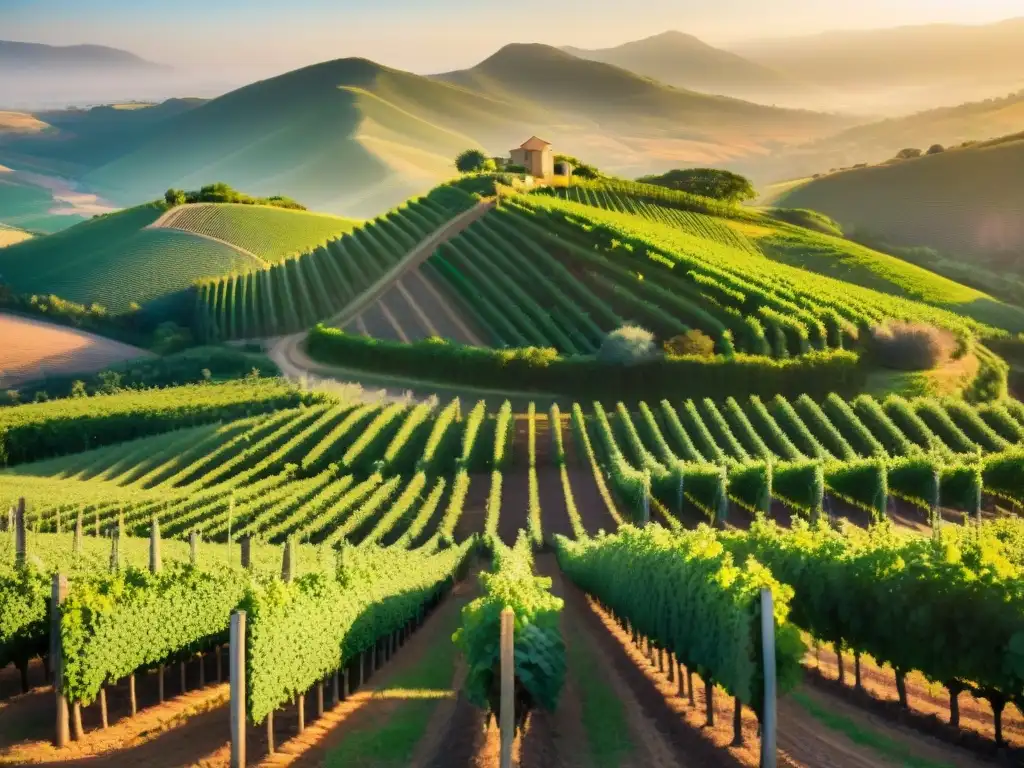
x: 707, y: 182
x: 473, y: 161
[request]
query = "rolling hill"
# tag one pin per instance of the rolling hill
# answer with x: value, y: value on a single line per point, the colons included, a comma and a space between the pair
x: 880, y: 140
x: 684, y: 61
x: 114, y: 260
x: 963, y: 201
x: 353, y: 137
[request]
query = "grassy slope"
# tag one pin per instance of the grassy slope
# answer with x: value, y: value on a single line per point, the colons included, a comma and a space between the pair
x: 270, y: 233
x: 112, y: 260
x: 962, y: 200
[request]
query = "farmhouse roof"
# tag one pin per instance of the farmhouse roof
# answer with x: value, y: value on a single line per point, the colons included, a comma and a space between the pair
x: 535, y: 144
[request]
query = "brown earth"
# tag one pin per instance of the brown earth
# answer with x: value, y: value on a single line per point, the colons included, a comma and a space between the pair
x: 33, y: 349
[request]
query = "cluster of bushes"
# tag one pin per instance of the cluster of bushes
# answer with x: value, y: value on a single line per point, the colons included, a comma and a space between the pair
x: 189, y: 367
x: 127, y: 326
x: 543, y: 370
x: 808, y: 219
x: 220, y: 192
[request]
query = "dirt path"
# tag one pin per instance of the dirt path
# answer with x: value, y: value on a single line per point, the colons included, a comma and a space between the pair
x: 815, y: 730
x: 642, y: 738
x: 364, y: 729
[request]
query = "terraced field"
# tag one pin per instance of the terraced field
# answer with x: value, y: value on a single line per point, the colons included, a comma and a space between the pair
x: 269, y: 233
x: 417, y: 307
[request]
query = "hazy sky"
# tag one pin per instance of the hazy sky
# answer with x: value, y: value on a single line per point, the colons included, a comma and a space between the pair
x: 269, y: 36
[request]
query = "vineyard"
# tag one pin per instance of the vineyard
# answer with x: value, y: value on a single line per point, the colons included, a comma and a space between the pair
x: 114, y: 260
x: 270, y: 233
x: 297, y: 292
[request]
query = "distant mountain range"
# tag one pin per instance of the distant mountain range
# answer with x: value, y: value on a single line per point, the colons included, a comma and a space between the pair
x: 684, y: 61
x: 36, y: 57
x: 354, y: 137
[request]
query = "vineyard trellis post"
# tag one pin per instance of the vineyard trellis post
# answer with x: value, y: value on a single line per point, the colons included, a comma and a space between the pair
x: 769, y: 714
x: 19, y: 533
x: 193, y: 547
x: 236, y: 673
x: 58, y: 593
x: 507, y: 714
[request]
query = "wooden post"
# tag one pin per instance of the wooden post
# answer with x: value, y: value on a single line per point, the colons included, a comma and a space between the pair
x: 76, y: 721
x: 184, y: 682
x: 335, y: 688
x: 301, y: 705
x: 103, y: 707
x: 288, y: 561
x: 115, y: 554
x: 202, y: 670
x: 19, y: 534
x: 769, y: 716
x: 58, y: 593
x: 155, y: 560
x: 737, y: 722
x: 77, y: 545
x: 131, y: 694
x: 96, y: 522
x: 220, y: 666
x: 344, y: 684
x: 236, y: 671
x: 246, y: 544
x: 160, y: 683
x: 508, y: 674
x: 320, y: 699
x: 270, y: 732
x: 193, y: 547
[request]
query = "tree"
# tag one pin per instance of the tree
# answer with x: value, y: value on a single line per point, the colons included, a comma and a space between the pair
x: 174, y: 197
x: 692, y: 342
x: 707, y: 182
x: 471, y: 161
x: 936, y: 149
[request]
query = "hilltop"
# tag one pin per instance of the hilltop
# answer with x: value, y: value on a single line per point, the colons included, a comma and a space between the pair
x: 353, y: 137
x: 685, y: 61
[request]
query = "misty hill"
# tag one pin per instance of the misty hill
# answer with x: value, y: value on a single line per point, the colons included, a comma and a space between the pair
x: 921, y: 66
x: 36, y: 57
x: 354, y: 137
x: 685, y: 61
x: 880, y: 140
x: 963, y: 202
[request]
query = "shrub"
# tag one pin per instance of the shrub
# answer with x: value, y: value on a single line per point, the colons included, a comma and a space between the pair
x: 471, y: 161
x: 912, y: 346
x: 691, y: 343
x: 627, y: 345
x: 908, y: 154
x: 936, y: 149
x: 174, y: 197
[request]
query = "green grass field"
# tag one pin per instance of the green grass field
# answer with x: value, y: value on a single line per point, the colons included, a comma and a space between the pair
x: 114, y: 260
x: 963, y: 201
x: 267, y: 232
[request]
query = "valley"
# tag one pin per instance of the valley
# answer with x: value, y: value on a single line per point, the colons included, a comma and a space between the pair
x: 604, y: 405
